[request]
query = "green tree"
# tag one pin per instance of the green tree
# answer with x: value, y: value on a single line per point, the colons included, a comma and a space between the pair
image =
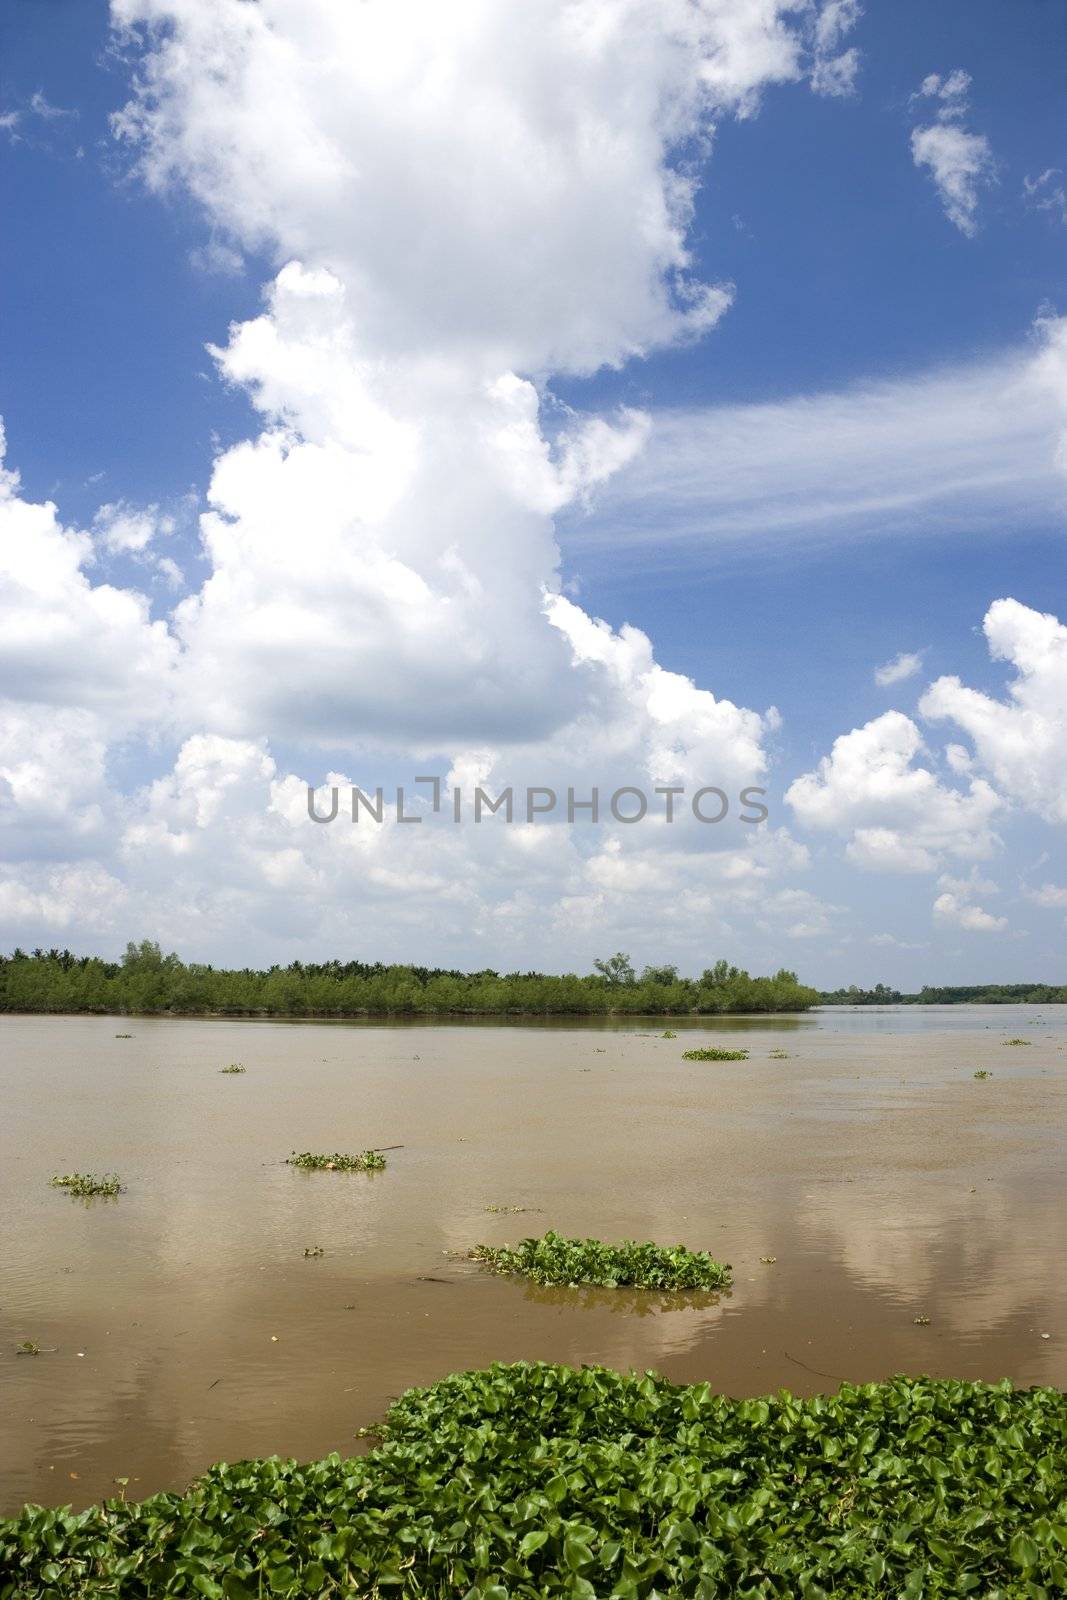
x: 616, y: 969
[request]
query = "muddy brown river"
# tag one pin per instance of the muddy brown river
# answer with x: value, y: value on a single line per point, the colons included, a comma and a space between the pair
x: 181, y: 1323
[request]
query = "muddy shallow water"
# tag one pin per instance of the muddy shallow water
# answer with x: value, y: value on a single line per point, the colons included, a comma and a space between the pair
x: 182, y: 1323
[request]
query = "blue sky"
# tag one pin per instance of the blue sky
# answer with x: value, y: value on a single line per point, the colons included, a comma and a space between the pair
x: 819, y: 533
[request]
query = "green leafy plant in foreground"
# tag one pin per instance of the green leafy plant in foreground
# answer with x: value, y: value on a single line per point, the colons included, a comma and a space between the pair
x: 713, y: 1053
x: 556, y: 1260
x: 367, y: 1161
x: 87, y: 1184
x: 532, y: 1481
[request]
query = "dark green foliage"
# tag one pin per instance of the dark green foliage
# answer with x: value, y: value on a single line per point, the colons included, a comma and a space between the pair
x: 535, y: 1481
x: 555, y: 1260
x: 233, y: 1068
x: 148, y: 982
x: 1016, y: 1041
x: 713, y: 1053
x: 367, y: 1161
x: 880, y: 995
x: 87, y: 1184
x: 980, y: 994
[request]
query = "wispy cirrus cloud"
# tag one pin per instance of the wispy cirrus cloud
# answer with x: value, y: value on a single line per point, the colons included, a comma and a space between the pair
x: 964, y: 449
x: 906, y: 664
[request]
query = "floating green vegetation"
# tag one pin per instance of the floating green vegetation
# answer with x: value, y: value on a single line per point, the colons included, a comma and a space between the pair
x: 668, y: 1033
x: 512, y: 1210
x: 313, y: 1251
x: 536, y: 1481
x: 713, y: 1053
x: 124, y: 1036
x: 983, y: 1072
x: 234, y: 1067
x: 87, y: 1184
x: 556, y: 1260
x: 780, y: 1055
x: 367, y: 1161
x: 1017, y: 1041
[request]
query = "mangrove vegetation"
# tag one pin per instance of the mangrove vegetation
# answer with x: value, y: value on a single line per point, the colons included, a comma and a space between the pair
x: 147, y: 982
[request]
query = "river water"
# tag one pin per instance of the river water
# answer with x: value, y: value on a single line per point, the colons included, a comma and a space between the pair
x: 181, y: 1323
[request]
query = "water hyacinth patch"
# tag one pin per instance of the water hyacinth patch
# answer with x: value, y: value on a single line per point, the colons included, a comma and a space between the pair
x: 572, y: 1262
x: 233, y: 1068
x: 86, y: 1184
x: 711, y: 1053
x: 367, y: 1161
x: 532, y: 1481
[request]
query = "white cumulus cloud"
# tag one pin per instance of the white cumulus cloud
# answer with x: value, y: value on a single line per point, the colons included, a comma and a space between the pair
x: 897, y: 814
x: 958, y: 913
x: 960, y: 163
x: 1021, y: 741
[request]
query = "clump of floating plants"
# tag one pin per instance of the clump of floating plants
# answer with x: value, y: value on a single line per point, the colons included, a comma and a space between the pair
x: 983, y: 1072
x: 780, y: 1055
x: 668, y: 1033
x: 313, y: 1251
x: 87, y: 1184
x: 713, y: 1053
x: 542, y: 1481
x: 1017, y: 1041
x: 572, y: 1262
x: 366, y: 1161
x: 234, y: 1066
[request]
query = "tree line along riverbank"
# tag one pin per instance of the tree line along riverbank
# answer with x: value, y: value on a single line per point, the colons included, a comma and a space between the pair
x: 147, y: 982
x: 970, y: 994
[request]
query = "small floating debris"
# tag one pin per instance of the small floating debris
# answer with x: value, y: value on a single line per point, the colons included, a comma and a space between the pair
x: 87, y: 1184
x: 713, y: 1053
x: 573, y: 1262
x: 308, y: 1161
